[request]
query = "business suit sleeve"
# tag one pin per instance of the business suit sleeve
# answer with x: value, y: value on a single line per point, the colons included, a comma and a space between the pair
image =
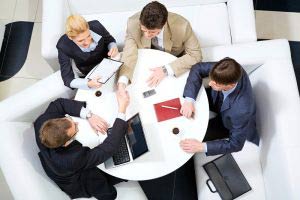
x: 66, y: 70
x: 57, y: 109
x: 130, y: 52
x: 194, y: 80
x: 192, y: 53
x: 105, y: 150
x: 237, y: 136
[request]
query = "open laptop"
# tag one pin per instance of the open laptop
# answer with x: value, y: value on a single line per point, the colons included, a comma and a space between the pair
x: 133, y: 144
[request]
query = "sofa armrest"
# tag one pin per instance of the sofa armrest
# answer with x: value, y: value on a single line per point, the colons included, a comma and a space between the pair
x: 55, y: 13
x: 250, y: 53
x: 278, y: 116
x: 21, y: 166
x: 31, y: 102
x: 242, y: 21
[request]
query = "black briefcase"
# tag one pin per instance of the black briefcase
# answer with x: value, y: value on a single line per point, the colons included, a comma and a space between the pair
x: 226, y: 177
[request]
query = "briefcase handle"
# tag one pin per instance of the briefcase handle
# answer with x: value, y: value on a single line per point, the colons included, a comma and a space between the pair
x: 208, y: 185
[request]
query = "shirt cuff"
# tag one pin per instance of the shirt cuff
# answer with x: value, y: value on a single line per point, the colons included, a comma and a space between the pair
x: 121, y: 116
x: 169, y: 70
x: 204, y: 147
x: 83, y: 112
x: 111, y: 45
x: 189, y: 99
x: 123, y: 79
x: 80, y: 83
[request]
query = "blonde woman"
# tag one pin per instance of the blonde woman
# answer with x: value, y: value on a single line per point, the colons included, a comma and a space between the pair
x: 82, y: 47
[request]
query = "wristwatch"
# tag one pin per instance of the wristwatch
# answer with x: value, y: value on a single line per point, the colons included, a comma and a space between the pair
x: 89, y: 115
x: 165, y: 70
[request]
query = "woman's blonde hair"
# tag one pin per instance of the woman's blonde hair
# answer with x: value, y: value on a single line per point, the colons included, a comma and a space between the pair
x: 75, y: 25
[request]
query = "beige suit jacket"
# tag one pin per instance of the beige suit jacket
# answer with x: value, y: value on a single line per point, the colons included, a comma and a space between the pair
x: 178, y: 39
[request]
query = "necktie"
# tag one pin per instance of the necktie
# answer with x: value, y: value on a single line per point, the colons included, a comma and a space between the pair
x: 154, y: 44
x: 219, y: 101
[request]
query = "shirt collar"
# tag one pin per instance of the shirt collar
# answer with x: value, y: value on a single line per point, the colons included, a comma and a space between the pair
x: 161, y: 34
x: 96, y: 38
x: 228, y: 92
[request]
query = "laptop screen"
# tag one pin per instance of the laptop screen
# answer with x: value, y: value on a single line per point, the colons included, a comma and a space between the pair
x: 135, y: 136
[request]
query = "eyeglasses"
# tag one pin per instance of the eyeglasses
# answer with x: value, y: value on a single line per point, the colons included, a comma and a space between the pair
x: 76, y: 125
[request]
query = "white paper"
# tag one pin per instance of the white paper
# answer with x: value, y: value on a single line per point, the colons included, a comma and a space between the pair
x: 105, y: 69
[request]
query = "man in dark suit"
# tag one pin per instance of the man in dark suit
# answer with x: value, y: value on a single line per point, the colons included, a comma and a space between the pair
x: 70, y: 165
x: 231, y: 98
x: 86, y: 43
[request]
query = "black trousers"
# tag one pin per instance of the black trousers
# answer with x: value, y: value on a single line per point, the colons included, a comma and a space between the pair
x: 178, y: 185
x: 215, y: 129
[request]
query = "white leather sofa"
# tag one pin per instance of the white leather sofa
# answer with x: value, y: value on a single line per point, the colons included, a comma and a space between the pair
x: 224, y: 28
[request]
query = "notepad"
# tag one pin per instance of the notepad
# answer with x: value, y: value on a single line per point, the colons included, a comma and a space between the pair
x: 167, y: 110
x: 105, y: 69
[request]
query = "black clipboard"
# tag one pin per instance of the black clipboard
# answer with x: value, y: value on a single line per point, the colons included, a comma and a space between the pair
x: 106, y: 69
x: 227, y: 177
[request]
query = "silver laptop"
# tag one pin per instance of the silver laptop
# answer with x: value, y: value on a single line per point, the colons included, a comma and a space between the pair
x: 133, y: 144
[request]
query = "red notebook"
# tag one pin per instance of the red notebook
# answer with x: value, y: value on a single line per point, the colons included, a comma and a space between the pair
x: 167, y: 109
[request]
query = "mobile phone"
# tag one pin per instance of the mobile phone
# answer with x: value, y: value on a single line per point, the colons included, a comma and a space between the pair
x: 149, y: 93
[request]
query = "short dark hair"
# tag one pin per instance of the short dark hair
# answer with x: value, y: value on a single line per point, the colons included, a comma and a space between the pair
x: 226, y: 71
x: 154, y: 15
x: 53, y: 132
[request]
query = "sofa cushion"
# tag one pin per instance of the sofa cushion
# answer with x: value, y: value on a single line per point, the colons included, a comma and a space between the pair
x: 23, y: 171
x: 210, y: 23
x: 278, y: 111
x: 249, y: 163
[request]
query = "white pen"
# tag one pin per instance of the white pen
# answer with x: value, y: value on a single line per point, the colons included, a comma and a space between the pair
x: 169, y: 107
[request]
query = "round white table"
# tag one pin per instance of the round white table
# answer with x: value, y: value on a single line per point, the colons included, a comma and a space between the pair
x: 165, y: 154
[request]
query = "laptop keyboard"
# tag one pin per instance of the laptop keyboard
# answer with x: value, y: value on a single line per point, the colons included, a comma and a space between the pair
x: 122, y: 155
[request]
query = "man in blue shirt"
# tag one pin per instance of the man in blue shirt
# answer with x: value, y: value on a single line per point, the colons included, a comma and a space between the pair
x: 231, y: 98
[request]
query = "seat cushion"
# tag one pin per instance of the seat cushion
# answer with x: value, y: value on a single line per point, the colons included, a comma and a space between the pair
x: 247, y: 160
x: 23, y: 171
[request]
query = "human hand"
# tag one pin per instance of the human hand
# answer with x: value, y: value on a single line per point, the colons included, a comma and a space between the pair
x: 113, y: 52
x: 191, y: 145
x: 121, y: 88
x: 95, y: 82
x: 98, y: 124
x: 123, y: 100
x: 187, y: 109
x: 156, y: 77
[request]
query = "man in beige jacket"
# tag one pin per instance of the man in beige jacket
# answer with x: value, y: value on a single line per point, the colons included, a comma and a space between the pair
x: 156, y: 28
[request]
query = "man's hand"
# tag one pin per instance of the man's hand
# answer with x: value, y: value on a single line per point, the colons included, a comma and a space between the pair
x: 98, y: 124
x: 121, y: 88
x: 192, y: 145
x: 94, y: 83
x: 187, y: 109
x: 113, y: 52
x: 156, y: 76
x: 123, y: 101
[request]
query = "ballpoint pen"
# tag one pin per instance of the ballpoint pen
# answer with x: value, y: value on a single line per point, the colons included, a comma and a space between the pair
x: 170, y: 107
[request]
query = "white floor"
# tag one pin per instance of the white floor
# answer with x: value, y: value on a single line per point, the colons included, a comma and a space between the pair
x: 35, y: 67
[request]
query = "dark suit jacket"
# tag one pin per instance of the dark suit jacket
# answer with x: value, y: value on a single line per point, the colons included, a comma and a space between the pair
x: 67, y: 166
x: 85, y: 61
x: 237, y: 111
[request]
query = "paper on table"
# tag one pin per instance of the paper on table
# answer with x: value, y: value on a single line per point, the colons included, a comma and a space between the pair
x: 105, y: 69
